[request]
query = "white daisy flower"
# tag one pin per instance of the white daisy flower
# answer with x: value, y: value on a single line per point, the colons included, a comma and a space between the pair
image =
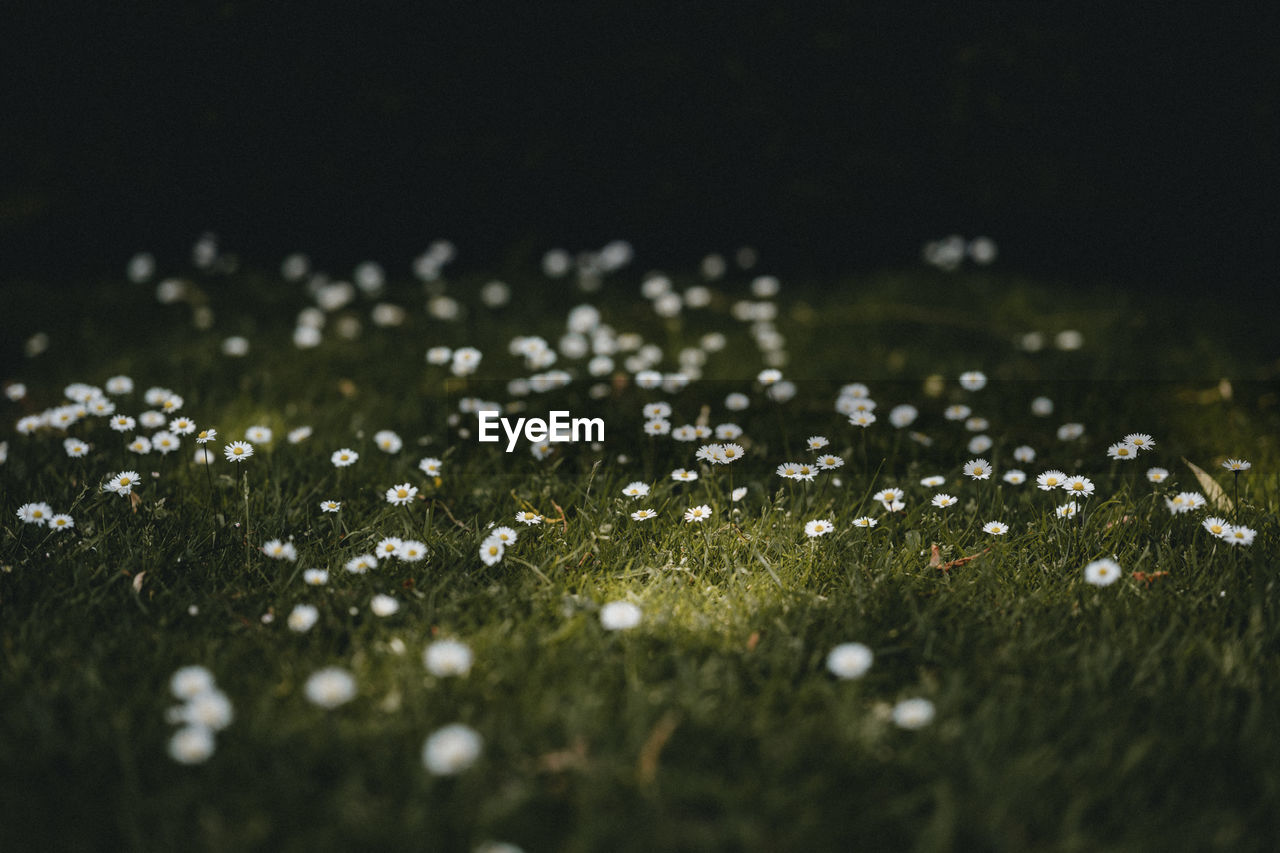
x: 657, y: 411
x: 330, y: 506
x: 738, y: 493
x: 164, y: 443
x: 504, y: 534
x: 528, y: 517
x: 979, y: 444
x: 384, y: 606
x: 687, y: 432
x: 1102, y: 572
x: 140, y: 445
x: 790, y: 470
x: 933, y: 481
x: 849, y: 660
x: 1070, y: 432
x: 191, y: 745
x: 1078, y: 486
x: 302, y: 618
x: 818, y: 527
x: 829, y: 462
x: 360, y: 564
x: 388, y: 441
x: 430, y: 466
x: 958, y: 412
x: 1024, y: 453
x: 995, y: 528
x: 1241, y: 535
x: 643, y: 514
x: 238, y: 451
x: 697, y: 513
x: 388, y: 547
x: 206, y: 435
x: 865, y: 521
x: 278, y: 550
x: 657, y: 427
x: 978, y: 469
x: 1068, y: 509
x: 330, y: 687
x: 620, y: 616
x: 411, y: 551
x: 491, y: 551
x: 1123, y: 451
x: 1140, y: 440
x: 943, y: 500
x: 298, y: 435
x: 315, y: 577
x: 344, y: 457
x: 973, y: 380
x: 1014, y: 477
x: 1217, y: 526
x: 805, y: 471
x: 680, y: 475
x: 451, y: 750
x: 38, y: 513
x: 1050, y: 480
x: 889, y: 495
x: 190, y: 681
x: 728, y: 432
x: 122, y: 423
x: 1237, y: 465
x: 913, y: 714
x: 1157, y: 475
x: 259, y: 434
x: 903, y: 416
x: 123, y: 483
x: 401, y: 494
x: 636, y: 489
x: 182, y: 426
x: 862, y: 419
x: 61, y: 521
x: 448, y: 658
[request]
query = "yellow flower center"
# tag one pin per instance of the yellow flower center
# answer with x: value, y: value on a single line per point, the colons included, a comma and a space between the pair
x: 401, y: 493
x: 124, y: 481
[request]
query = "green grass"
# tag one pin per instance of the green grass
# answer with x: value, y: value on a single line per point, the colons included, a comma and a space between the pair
x: 1069, y: 717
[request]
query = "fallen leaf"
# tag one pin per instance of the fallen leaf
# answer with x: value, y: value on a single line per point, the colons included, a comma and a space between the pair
x: 647, y: 763
x: 935, y: 556
x: 1212, y: 491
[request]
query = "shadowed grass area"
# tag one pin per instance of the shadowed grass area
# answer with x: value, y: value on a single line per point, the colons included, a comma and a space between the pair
x: 1138, y: 715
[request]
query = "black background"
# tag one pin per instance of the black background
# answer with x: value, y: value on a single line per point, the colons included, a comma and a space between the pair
x: 1136, y: 145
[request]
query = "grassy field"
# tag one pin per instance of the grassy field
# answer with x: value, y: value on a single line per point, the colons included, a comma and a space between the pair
x: 1067, y: 715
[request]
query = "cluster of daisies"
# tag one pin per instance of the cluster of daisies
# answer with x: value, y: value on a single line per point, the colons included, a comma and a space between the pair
x: 447, y: 751
x: 851, y: 661
x: 41, y: 514
x: 205, y: 711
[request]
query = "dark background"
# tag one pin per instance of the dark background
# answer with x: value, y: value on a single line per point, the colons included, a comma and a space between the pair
x: 1135, y: 145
